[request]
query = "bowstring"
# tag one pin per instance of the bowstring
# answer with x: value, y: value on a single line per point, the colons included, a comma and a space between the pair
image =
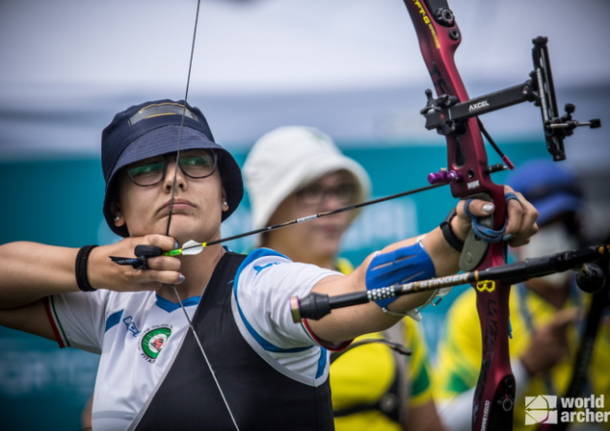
x: 186, y: 95
x: 171, y: 211
x: 205, y: 357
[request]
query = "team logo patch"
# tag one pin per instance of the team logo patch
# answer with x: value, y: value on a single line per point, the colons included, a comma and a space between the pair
x: 153, y: 341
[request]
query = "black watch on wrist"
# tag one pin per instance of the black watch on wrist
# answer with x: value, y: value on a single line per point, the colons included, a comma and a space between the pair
x: 450, y: 236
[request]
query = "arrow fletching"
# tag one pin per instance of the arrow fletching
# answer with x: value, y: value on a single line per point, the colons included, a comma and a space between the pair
x: 192, y: 247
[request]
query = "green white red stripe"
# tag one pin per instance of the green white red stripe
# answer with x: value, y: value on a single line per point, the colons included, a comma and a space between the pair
x: 58, y: 330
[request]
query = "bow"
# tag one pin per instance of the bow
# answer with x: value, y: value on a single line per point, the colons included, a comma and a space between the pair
x: 439, y: 37
x: 454, y: 116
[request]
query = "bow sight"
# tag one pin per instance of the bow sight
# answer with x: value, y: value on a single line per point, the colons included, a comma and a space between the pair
x: 447, y: 116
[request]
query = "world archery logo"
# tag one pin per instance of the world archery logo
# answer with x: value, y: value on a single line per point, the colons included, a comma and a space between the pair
x: 541, y: 409
x: 153, y: 341
x: 550, y: 409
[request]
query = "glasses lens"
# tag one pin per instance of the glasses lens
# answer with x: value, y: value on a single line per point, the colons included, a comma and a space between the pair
x: 194, y: 164
x: 148, y: 172
x: 198, y: 164
x: 346, y: 193
x: 314, y: 194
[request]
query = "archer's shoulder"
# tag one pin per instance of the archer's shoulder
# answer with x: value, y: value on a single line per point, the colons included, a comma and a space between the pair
x: 264, y: 266
x: 260, y: 259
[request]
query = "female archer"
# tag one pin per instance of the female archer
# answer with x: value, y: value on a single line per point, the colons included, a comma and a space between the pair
x: 205, y: 341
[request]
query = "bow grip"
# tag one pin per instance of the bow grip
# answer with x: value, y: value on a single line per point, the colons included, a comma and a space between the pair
x: 475, y: 248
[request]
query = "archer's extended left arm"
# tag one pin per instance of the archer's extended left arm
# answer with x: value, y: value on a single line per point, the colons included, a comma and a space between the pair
x: 406, y: 260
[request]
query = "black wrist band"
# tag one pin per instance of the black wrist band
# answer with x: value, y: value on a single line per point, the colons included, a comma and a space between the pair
x: 80, y: 269
x: 450, y: 236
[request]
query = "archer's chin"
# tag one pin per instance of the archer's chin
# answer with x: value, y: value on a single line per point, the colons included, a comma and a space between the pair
x: 184, y: 228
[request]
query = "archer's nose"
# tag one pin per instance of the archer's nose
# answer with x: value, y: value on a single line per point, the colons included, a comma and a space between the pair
x: 173, y: 171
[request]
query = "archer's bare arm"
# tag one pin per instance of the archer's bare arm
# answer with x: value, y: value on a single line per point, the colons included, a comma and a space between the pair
x: 346, y: 323
x: 32, y: 271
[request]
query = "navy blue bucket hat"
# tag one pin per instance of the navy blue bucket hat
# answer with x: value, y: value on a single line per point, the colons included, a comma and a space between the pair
x: 152, y: 129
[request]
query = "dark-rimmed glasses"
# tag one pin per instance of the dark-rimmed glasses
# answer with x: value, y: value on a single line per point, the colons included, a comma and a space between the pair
x: 315, y: 194
x: 193, y: 163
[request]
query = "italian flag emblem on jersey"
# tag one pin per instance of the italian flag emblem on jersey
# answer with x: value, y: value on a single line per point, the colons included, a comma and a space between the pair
x: 153, y: 342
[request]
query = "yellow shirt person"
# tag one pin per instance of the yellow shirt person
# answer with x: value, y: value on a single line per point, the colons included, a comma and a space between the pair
x: 297, y: 171
x: 365, y: 391
x: 546, y: 328
x: 459, y: 358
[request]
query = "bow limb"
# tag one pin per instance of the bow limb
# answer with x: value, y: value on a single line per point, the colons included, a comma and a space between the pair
x: 439, y: 37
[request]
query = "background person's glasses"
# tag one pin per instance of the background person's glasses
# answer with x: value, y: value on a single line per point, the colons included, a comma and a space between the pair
x: 315, y: 194
x: 193, y: 164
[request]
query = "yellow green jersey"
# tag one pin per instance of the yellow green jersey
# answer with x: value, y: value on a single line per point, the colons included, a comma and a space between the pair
x: 459, y: 354
x: 364, y: 375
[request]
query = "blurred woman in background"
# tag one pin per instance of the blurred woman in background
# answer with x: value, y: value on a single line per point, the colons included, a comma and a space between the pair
x: 293, y: 172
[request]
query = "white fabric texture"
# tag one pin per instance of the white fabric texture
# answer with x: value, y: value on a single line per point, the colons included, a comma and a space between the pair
x: 267, y: 283
x: 288, y: 158
x: 124, y: 370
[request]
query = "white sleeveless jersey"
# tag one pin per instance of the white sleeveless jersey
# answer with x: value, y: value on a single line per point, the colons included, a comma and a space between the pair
x: 138, y: 334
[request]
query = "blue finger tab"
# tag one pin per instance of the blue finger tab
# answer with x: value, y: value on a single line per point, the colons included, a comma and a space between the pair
x: 510, y: 196
x: 486, y: 233
x: 467, y: 208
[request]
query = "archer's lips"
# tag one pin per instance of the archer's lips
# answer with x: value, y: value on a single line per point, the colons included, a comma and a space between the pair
x: 176, y: 205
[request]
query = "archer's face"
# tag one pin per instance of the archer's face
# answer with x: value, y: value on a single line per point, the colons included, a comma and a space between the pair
x: 197, y: 207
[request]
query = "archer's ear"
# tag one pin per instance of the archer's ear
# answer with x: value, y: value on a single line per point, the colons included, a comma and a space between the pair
x: 224, y: 203
x: 117, y: 218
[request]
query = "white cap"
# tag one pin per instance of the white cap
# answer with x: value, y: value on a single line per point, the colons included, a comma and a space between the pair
x: 288, y: 158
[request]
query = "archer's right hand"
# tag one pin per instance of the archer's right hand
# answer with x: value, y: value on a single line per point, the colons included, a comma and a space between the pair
x: 105, y: 274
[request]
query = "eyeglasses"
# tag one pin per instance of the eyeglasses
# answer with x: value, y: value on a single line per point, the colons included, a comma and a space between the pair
x: 193, y: 164
x: 314, y: 194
